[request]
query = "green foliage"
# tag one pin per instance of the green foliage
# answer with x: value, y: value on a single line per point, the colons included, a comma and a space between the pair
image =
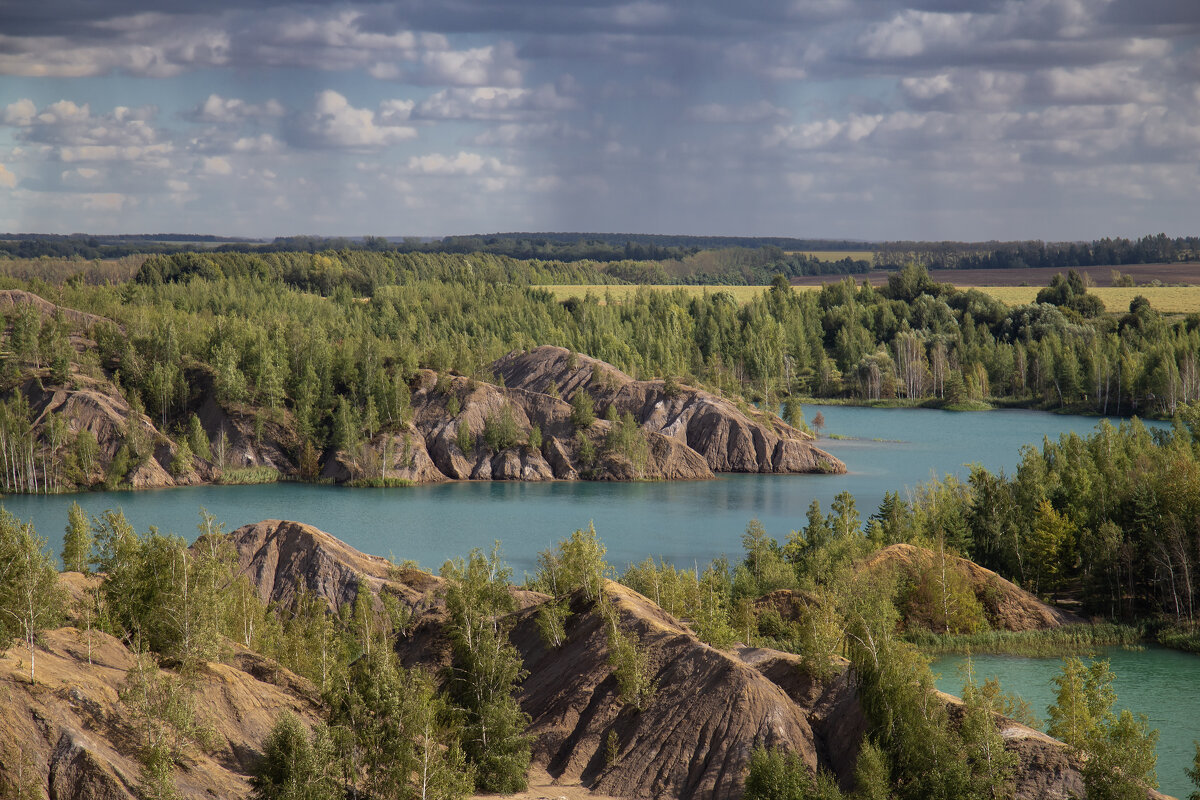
x: 535, y: 438
x: 780, y: 775
x: 485, y: 670
x: 626, y: 440
x: 992, y: 767
x: 197, y: 439
x: 163, y: 709
x: 77, y: 540
x: 500, y: 430
x: 296, y: 765
x: 30, y: 598
x: 583, y: 410
x: 181, y: 461
x: 1120, y: 748
x: 631, y: 667
x: 1193, y: 772
x: 159, y: 594
x: 552, y: 622
x: 575, y: 563
x: 464, y: 440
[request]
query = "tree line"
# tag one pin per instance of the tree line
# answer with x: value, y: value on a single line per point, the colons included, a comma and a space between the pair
x: 328, y: 346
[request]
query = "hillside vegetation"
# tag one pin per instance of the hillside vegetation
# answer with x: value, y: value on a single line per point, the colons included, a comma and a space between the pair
x: 277, y: 659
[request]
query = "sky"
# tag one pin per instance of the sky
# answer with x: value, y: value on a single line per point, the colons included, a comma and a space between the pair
x: 863, y: 119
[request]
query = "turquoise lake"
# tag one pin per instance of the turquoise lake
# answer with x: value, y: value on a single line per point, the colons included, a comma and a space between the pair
x: 1160, y: 683
x: 684, y: 522
x: 687, y: 523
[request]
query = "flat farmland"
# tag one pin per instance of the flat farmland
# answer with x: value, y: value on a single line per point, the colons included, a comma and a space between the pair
x: 834, y: 255
x: 1167, y: 299
x: 1099, y: 276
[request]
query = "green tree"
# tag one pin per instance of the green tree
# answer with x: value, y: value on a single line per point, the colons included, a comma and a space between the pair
x: 197, y: 439
x: 30, y: 598
x: 1120, y: 752
x: 296, y: 765
x: 1193, y: 772
x: 485, y: 670
x: 583, y: 410
x: 77, y: 541
x: 163, y: 711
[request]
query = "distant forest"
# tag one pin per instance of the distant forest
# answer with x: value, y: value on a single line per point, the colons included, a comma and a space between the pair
x: 654, y: 259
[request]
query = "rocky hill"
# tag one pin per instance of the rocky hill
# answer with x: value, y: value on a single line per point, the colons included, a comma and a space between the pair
x: 731, y: 438
x: 690, y: 740
x: 458, y: 428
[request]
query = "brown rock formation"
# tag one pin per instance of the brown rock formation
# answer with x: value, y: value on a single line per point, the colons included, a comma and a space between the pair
x: 477, y: 403
x: 82, y: 742
x: 729, y: 437
x: 694, y: 737
x: 277, y: 555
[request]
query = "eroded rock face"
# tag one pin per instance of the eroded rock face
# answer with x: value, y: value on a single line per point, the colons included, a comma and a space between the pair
x: 82, y: 742
x: 277, y: 555
x: 730, y: 438
x: 692, y: 739
x: 475, y: 404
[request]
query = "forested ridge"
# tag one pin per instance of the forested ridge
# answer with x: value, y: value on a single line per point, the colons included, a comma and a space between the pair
x: 658, y: 258
x: 320, y: 353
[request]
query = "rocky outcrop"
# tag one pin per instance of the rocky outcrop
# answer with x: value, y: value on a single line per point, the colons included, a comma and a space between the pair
x: 279, y: 556
x: 731, y: 438
x: 1006, y: 605
x: 81, y: 742
x: 12, y: 299
x: 693, y: 739
x: 96, y: 406
x: 444, y: 405
x: 687, y: 434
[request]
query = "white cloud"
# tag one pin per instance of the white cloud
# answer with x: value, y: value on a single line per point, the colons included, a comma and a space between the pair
x: 20, y: 113
x: 7, y: 179
x: 263, y: 143
x: 227, y: 110
x: 393, y: 112
x: 493, y: 103
x: 492, y: 65
x: 335, y: 123
x: 463, y: 163
x: 216, y: 165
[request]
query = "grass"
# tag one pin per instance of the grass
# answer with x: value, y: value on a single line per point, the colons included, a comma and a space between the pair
x: 1035, y: 644
x: 248, y: 476
x: 1180, y: 637
x: 379, y: 483
x: 1168, y: 299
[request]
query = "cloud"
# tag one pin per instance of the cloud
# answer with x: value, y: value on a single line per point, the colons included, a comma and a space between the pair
x: 463, y: 163
x: 334, y: 123
x: 219, y: 109
x: 493, y: 103
x: 216, y: 165
x: 7, y: 179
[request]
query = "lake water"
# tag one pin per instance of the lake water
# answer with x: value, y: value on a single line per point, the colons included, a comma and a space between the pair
x: 1156, y: 682
x: 686, y: 523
